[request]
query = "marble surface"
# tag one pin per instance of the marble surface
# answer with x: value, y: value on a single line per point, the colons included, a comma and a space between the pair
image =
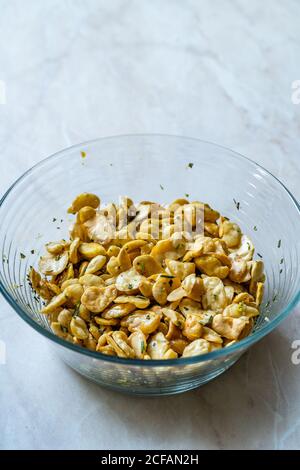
x: 221, y: 71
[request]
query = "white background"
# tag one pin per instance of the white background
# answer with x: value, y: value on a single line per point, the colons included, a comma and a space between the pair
x: 214, y: 69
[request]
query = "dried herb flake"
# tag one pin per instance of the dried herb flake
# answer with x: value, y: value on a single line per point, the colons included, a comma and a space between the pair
x: 237, y: 204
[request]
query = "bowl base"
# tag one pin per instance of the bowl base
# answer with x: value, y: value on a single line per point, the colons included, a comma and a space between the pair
x: 174, y: 389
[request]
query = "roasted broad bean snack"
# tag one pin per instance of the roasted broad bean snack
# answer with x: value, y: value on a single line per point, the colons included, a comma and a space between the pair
x: 148, y: 281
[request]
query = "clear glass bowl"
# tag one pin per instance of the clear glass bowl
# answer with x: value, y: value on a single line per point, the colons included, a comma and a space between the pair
x: 33, y: 211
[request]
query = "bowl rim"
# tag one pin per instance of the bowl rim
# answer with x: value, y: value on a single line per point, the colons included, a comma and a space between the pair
x: 240, y: 346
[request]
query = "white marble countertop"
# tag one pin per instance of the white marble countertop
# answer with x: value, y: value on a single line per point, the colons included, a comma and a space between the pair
x: 220, y: 71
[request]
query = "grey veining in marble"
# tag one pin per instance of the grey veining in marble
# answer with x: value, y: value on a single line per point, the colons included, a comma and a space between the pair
x: 221, y: 71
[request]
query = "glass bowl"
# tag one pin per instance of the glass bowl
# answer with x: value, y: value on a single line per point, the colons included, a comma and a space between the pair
x: 160, y: 168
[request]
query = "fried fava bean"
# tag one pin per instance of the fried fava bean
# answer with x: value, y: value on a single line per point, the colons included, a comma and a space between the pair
x: 162, y: 287
x: 84, y: 199
x: 196, y: 347
x: 118, y: 341
x: 241, y: 309
x: 83, y: 312
x: 187, y: 306
x: 193, y: 287
x: 85, y: 213
x: 210, y: 215
x: 91, y: 250
x: 244, y: 251
x: 138, y: 342
x: 73, y: 293
x: 175, y: 317
x: 230, y: 233
x: 147, y: 265
x: 240, y: 271
x: 192, y: 327
x: 172, y: 332
x: 124, y: 261
x: 91, y: 280
x: 118, y: 311
x: 257, y: 275
x: 141, y: 281
x: 214, y: 296
x: 129, y: 281
x: 178, y: 345
x: 179, y: 269
x: 145, y: 288
x: 168, y: 249
x: 138, y: 301
x: 230, y: 328
x: 158, y: 346
x: 79, y: 328
x: 67, y: 283
x: 55, y: 248
x: 113, y: 250
x: 43, y: 288
x: 212, y: 266
x: 259, y: 293
x: 53, y: 265
x: 106, y: 322
x: 73, y: 251
x: 64, y: 318
x: 58, y: 329
x: 56, y: 302
x: 210, y: 335
x: 96, y: 299
x: 146, y: 321
x: 96, y: 264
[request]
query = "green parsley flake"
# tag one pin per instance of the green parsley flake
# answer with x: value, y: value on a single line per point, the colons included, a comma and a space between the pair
x: 83, y: 154
x: 22, y: 256
x: 76, y: 310
x: 206, y: 320
x: 190, y: 165
x: 237, y: 204
x: 142, y: 266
